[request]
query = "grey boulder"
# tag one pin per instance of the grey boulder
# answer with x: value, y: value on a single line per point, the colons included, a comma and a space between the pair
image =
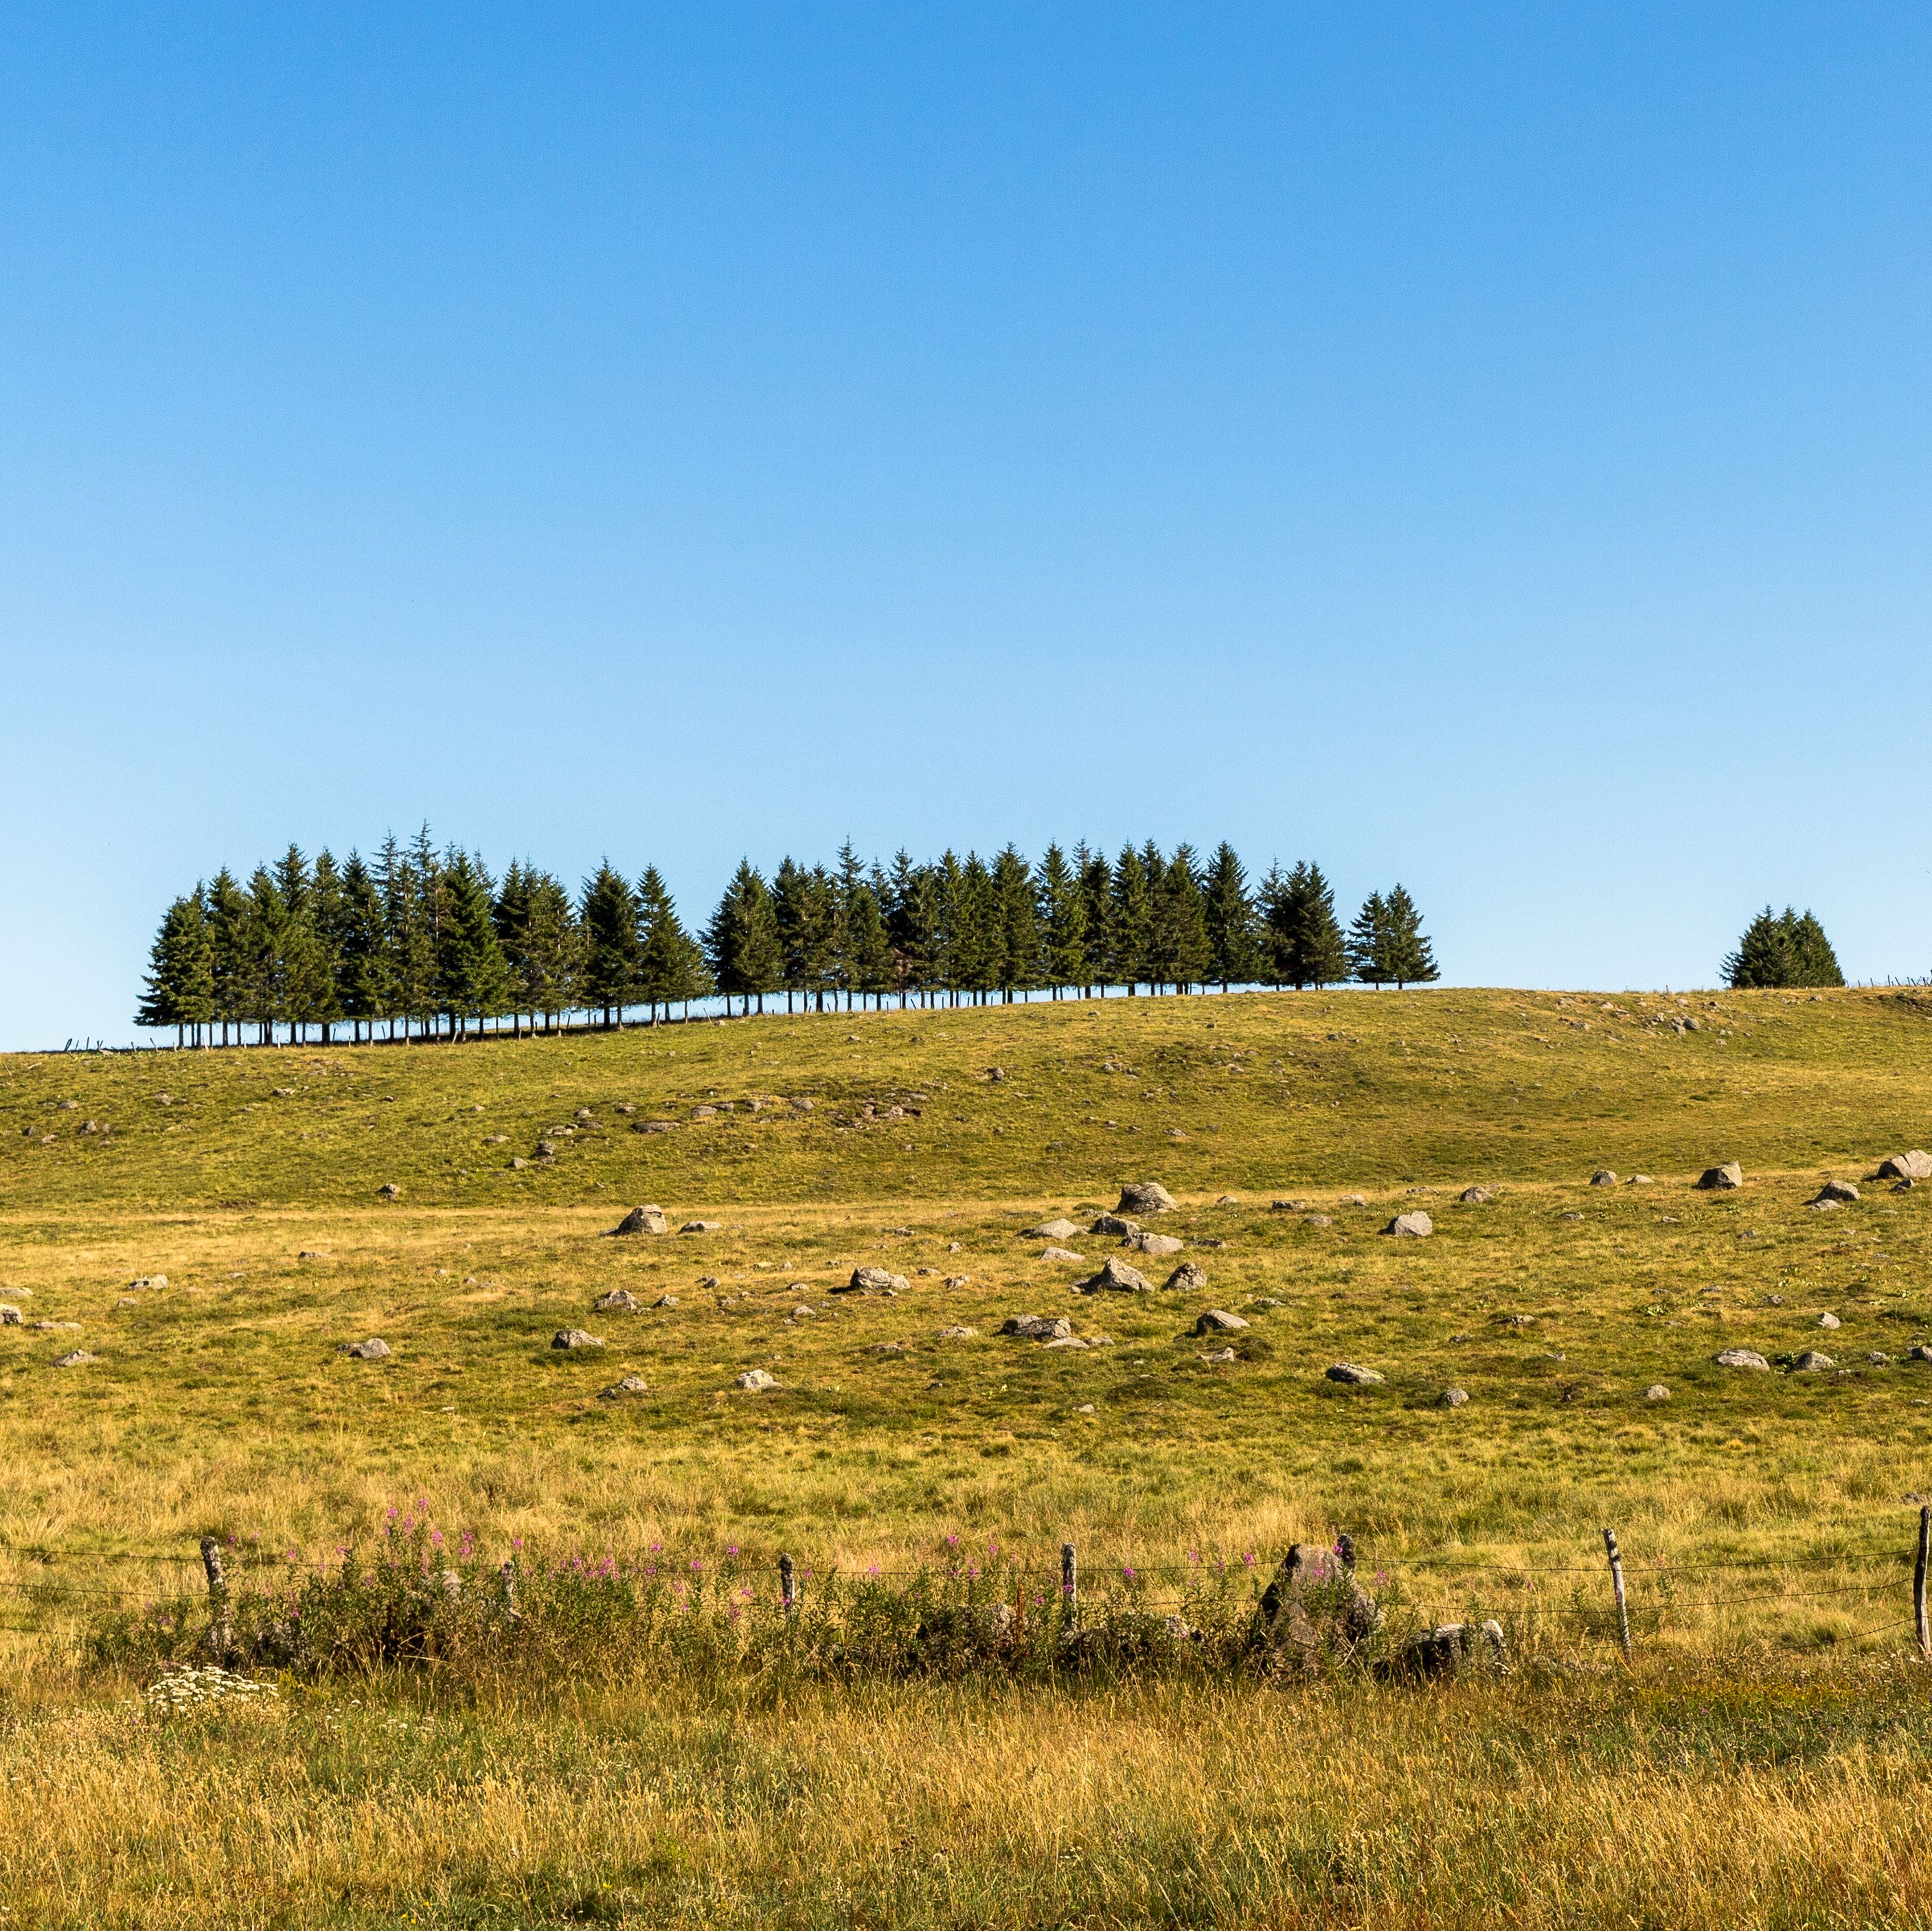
x: 873, y: 1281
x: 1159, y: 1246
x: 1037, y: 1326
x: 574, y: 1337
x: 1915, y: 1166
x: 1116, y: 1277
x: 1219, y: 1320
x: 1145, y: 1196
x: 1061, y: 1229
x: 1347, y: 1371
x: 1714, y: 1179
x: 371, y: 1349
x: 1188, y: 1278
x: 1744, y: 1357
x: 1416, y: 1226
x: 643, y: 1220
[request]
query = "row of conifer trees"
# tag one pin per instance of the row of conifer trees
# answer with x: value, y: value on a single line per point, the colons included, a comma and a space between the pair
x: 426, y: 943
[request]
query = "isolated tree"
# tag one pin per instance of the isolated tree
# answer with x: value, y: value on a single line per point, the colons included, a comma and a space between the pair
x: 1228, y: 911
x: 1786, y: 948
x: 1408, y: 959
x: 609, y: 918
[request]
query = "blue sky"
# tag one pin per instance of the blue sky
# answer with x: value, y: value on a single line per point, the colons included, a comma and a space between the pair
x: 1484, y: 447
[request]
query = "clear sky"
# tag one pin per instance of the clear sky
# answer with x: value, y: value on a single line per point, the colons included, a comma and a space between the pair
x: 1480, y: 446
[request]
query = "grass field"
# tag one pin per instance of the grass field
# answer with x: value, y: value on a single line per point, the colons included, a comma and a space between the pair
x: 1761, y: 1761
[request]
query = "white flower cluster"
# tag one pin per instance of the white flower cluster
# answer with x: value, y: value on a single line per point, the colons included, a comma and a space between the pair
x: 183, y: 1687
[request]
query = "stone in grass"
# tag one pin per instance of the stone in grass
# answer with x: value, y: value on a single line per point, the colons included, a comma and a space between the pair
x: 1453, y: 1398
x: 1113, y: 1224
x: 1037, y: 1326
x: 1219, y: 1320
x: 618, y: 1300
x: 10, y: 1315
x: 802, y: 1312
x: 1158, y: 1246
x: 1918, y: 1351
x: 1287, y: 1206
x: 643, y: 1220
x: 1059, y: 1229
x: 700, y: 1227
x: 1188, y: 1278
x: 1353, y: 1200
x: 1347, y: 1371
x: 873, y: 1281
x: 1744, y: 1357
x: 148, y: 1281
x: 1878, y: 1358
x: 754, y: 1381
x: 1064, y: 1341
x: 388, y: 1190
x: 574, y: 1337
x: 1221, y: 1354
x: 1475, y: 1196
x: 1603, y: 1177
x: 956, y: 1334
x: 1715, y: 1179
x: 1833, y: 1192
x: 1657, y: 1392
x: 632, y: 1384
x: 1059, y: 1254
x: 371, y: 1349
x: 79, y: 1358
x: 1416, y: 1226
x: 1319, y: 1220
x: 1227, y: 1200
x: 1812, y: 1362
x: 1915, y: 1166
x: 1642, y: 1180
x: 55, y: 1326
x: 1829, y: 1320
x: 1115, y: 1277
x: 1145, y: 1196
x: 665, y: 1300
x: 959, y: 1280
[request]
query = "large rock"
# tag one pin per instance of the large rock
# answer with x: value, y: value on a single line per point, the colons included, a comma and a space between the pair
x: 873, y: 1281
x: 643, y: 1220
x: 1714, y: 1179
x: 618, y: 1300
x: 1744, y: 1357
x: 1416, y: 1226
x: 1833, y: 1191
x: 1188, y: 1278
x: 755, y: 1381
x: 1915, y: 1165
x: 1812, y: 1362
x: 1145, y: 1196
x: 1062, y: 1254
x: 1037, y: 1326
x: 1454, y: 1398
x: 1116, y: 1277
x: 1603, y: 1177
x: 1219, y: 1320
x: 1112, y: 1223
x: 630, y: 1385
x: 574, y: 1337
x: 371, y: 1349
x: 1354, y: 1376
x: 1447, y: 1651
x: 1313, y: 1609
x: 700, y: 1227
x: 1475, y: 1196
x: 1059, y: 1229
x: 79, y: 1358
x: 1159, y: 1246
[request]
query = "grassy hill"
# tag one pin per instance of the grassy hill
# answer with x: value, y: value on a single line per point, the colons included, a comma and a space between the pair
x: 929, y: 1142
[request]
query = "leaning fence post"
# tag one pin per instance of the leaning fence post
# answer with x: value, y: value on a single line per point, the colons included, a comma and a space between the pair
x: 1918, y: 1581
x: 788, y: 1585
x: 1069, y: 1589
x: 219, y: 1633
x: 1617, y: 1584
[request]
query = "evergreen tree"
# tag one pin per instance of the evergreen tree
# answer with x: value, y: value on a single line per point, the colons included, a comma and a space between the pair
x: 1016, y: 920
x: 912, y: 928
x: 473, y: 976
x: 1783, y: 949
x: 328, y: 917
x: 510, y: 914
x: 671, y: 968
x: 554, y: 948
x: 1812, y: 952
x: 362, y: 965
x: 972, y: 950
x: 1228, y: 912
x: 408, y: 886
x: 841, y: 890
x: 1178, y: 923
x: 1409, y: 959
x: 805, y: 915
x: 868, y: 949
x: 1096, y: 916
x: 1128, y: 926
x: 261, y: 932
x: 1306, y: 936
x: 1368, y: 943
x: 948, y: 878
x: 609, y: 917
x: 742, y: 941
x: 304, y: 986
x: 227, y: 919
x: 1062, y: 918
x: 181, y: 970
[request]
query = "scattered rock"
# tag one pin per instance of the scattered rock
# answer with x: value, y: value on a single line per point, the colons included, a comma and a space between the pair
x: 1812, y: 1362
x: 665, y: 1300
x: 802, y: 1312
x: 1085, y: 1408
x: 1313, y: 1606
x: 1448, y: 1651
x: 1038, y: 1326
x: 149, y: 1281
x: 10, y: 1315
x: 1145, y: 1196
x: 1262, y: 1300
x: 1112, y: 1223
x: 1227, y: 1200
x: 1355, y: 1377
x: 1743, y: 1357
x: 1918, y: 1351
x: 1353, y: 1200
x: 1822, y: 1206
x: 1061, y: 1229
x: 518, y: 1163
x: 1573, y: 1216
x: 1319, y: 1220
x: 546, y: 1150
x: 1059, y: 1254
x: 1603, y: 1177
x: 1657, y: 1392
x: 55, y: 1326
x: 1833, y: 1192
x: 1915, y: 1166
x: 1642, y: 1180
x: 1287, y: 1206
x: 574, y: 1337
x: 1903, y: 1186
x: 1878, y: 1358
x: 282, y: 1092
x: 1115, y: 1277
x: 388, y: 1190
x: 1158, y: 1246
x: 1453, y: 1398
x: 756, y: 1380
x: 889, y: 1348
x: 1829, y: 1320
x: 371, y: 1349
x: 1475, y: 1196
x: 1416, y: 1226
x: 79, y: 1358
x: 965, y: 1280
x: 1219, y: 1320
x: 632, y: 1384
x: 1715, y: 1179
x: 704, y: 1113
x: 643, y: 1220
x: 1076, y: 1341
x: 1188, y: 1278
x: 700, y: 1227
x: 1221, y: 1354
x: 618, y: 1300
x: 956, y: 1334
x: 873, y: 1281
x: 312, y: 1253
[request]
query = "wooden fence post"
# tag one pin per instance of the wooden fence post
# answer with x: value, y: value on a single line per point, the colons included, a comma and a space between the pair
x: 788, y: 1585
x: 1924, y: 1629
x: 1069, y: 1581
x: 1617, y: 1584
x: 220, y: 1631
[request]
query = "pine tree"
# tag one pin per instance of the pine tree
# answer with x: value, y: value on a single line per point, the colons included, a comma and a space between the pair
x: 472, y: 976
x: 226, y: 913
x: 1063, y: 921
x: 671, y: 968
x: 609, y: 918
x: 804, y: 914
x: 361, y: 964
x: 262, y: 919
x: 408, y: 883
x: 181, y: 970
x: 1305, y: 936
x: 1228, y: 912
x: 742, y: 941
x: 973, y: 948
x: 1178, y: 923
x: 1368, y: 943
x: 867, y: 950
x: 1096, y: 916
x: 510, y: 914
x: 1128, y: 926
x: 1016, y: 924
x: 1783, y: 949
x: 305, y: 986
x: 1812, y: 953
x: 553, y: 951
x: 912, y: 928
x: 1407, y: 957
x: 328, y: 919
x: 841, y: 890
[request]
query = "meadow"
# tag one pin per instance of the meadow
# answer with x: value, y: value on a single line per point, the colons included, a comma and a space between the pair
x: 1760, y: 1759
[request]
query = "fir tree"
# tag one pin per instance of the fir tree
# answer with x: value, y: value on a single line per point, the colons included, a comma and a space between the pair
x: 226, y: 913
x: 328, y: 917
x: 912, y: 928
x: 304, y: 984
x: 1128, y: 930
x: 1228, y: 913
x: 1368, y: 943
x: 1097, y: 915
x: 868, y: 960
x: 1016, y: 921
x: 262, y: 933
x: 671, y: 968
x: 361, y: 991
x: 181, y: 970
x: 742, y: 941
x: 1408, y: 959
x: 1178, y: 923
x: 609, y: 918
x: 473, y: 975
x: 1305, y: 936
x: 1063, y: 921
x: 973, y: 948
x: 553, y: 949
x: 1783, y: 949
